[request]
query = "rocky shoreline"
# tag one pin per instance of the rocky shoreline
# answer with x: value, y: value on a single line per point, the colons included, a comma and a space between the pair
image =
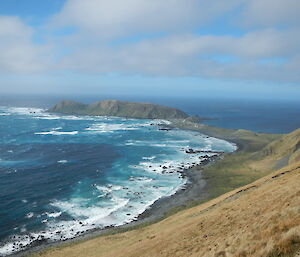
x: 191, y: 191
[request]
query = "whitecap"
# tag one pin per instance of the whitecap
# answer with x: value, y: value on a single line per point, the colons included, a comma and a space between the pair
x: 29, y: 215
x: 149, y: 158
x: 109, y: 188
x: 90, y: 214
x: 57, y: 133
x: 109, y: 128
x: 53, y: 214
x: 62, y: 161
x: 159, y: 145
x: 24, y: 111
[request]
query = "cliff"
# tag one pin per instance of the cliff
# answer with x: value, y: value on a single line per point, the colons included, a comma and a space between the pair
x: 119, y: 109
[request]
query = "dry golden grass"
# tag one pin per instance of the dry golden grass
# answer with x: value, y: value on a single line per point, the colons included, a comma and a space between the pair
x: 260, y: 154
x: 260, y: 219
x: 287, y: 146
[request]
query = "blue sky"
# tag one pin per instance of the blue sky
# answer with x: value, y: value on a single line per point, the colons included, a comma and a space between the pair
x: 230, y: 49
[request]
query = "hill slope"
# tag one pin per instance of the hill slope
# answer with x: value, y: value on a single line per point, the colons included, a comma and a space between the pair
x: 119, y: 109
x: 287, y: 148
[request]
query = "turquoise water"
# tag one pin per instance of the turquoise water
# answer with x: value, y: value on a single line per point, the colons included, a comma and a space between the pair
x: 61, y: 176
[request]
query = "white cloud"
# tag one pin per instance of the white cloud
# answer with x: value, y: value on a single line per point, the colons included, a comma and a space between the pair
x: 271, y: 12
x: 255, y: 56
x: 268, y: 52
x: 115, y: 18
x: 17, y: 50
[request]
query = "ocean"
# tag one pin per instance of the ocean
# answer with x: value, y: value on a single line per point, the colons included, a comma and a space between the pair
x: 63, y: 175
x: 266, y: 116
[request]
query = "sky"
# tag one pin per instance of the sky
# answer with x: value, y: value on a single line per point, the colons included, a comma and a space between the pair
x: 203, y: 48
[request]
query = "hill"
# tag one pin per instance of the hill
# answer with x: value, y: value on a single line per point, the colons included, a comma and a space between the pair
x: 286, y: 149
x: 119, y: 109
x: 258, y: 219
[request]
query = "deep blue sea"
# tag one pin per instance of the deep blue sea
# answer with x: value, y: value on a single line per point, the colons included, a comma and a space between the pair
x: 62, y: 175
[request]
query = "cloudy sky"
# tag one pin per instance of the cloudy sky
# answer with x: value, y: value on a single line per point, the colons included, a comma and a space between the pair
x: 230, y: 48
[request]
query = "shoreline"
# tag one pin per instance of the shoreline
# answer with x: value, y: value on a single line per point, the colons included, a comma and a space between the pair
x: 194, y: 190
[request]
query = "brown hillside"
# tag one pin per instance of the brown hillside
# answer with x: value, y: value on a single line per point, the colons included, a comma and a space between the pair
x: 260, y: 219
x: 288, y: 147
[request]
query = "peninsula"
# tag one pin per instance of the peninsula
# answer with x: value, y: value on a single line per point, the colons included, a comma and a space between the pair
x: 119, y: 109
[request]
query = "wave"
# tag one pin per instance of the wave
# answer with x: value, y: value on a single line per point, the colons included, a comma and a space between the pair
x: 57, y: 133
x: 162, y: 143
x: 53, y: 214
x: 21, y: 111
x: 109, y: 128
x: 149, y: 158
x: 29, y: 215
x: 62, y: 161
x: 39, y: 113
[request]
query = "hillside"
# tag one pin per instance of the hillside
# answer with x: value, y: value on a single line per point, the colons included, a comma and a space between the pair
x: 258, y: 155
x: 259, y: 219
x: 286, y: 149
x: 119, y: 109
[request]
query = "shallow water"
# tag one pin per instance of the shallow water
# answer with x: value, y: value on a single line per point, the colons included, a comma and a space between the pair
x: 62, y: 175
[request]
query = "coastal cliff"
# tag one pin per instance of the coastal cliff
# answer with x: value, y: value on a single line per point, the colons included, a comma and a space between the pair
x: 119, y: 109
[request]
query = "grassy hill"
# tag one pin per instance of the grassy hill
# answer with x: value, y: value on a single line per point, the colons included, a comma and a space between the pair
x: 286, y: 150
x: 119, y: 109
x: 253, y: 210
